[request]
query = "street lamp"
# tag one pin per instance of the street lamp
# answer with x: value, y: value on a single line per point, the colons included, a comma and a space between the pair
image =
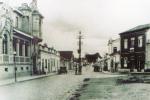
x: 15, y: 65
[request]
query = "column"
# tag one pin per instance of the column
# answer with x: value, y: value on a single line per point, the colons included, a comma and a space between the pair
x: 29, y: 50
x: 17, y: 45
x: 23, y: 49
x: 1, y: 46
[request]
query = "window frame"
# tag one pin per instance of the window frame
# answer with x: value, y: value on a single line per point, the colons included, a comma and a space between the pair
x: 125, y: 62
x: 132, y: 42
x: 125, y: 43
x: 140, y: 41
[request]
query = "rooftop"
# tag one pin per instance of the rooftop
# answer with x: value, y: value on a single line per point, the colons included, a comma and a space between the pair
x: 66, y: 54
x: 139, y: 27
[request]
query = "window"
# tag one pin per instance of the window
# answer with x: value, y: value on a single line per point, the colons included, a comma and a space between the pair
x: 132, y: 42
x: 125, y: 43
x: 36, y: 24
x: 6, y: 69
x: 5, y: 44
x: 27, y: 68
x: 125, y: 61
x: 21, y: 68
x: 17, y: 22
x: 140, y: 41
x: 45, y: 63
x: 114, y: 49
x: 26, y: 24
x: 14, y: 44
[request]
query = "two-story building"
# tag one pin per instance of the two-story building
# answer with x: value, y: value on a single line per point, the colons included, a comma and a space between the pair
x: 135, y: 48
x: 20, y: 34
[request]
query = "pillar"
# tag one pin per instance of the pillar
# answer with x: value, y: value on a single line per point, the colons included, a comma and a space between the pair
x: 17, y: 49
x: 23, y: 49
x: 29, y: 50
x: 1, y: 46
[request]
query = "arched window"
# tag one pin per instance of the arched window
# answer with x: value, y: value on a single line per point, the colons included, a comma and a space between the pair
x: 5, y: 44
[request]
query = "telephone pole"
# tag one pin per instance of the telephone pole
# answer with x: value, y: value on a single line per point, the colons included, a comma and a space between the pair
x: 80, y: 37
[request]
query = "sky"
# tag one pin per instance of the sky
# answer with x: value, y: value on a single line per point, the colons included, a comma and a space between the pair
x: 98, y: 20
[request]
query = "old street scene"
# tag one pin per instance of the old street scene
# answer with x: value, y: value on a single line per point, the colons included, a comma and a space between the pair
x: 74, y: 50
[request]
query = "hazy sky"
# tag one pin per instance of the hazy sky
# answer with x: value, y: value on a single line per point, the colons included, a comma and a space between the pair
x: 98, y: 20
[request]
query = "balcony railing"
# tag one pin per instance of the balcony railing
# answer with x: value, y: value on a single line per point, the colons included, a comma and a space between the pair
x: 21, y: 59
x: 10, y: 59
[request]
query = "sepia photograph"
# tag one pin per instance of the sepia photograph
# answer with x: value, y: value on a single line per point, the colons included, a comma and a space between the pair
x: 74, y: 50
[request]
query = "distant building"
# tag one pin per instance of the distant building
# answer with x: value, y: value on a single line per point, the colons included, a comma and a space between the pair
x: 92, y: 58
x: 135, y: 48
x: 114, y: 54
x: 49, y: 60
x: 67, y: 59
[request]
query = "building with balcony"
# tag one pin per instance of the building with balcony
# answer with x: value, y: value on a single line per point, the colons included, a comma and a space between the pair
x: 48, y: 60
x: 20, y: 34
x: 135, y: 48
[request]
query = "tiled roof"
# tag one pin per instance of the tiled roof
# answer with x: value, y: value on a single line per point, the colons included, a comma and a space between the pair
x: 140, y: 27
x: 66, y: 54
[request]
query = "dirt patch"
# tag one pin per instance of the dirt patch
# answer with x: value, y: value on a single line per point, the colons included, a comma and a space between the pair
x: 133, y: 79
x: 113, y: 88
x: 86, y: 79
x: 77, y: 94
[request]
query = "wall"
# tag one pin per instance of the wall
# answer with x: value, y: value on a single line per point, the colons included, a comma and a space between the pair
x: 147, y: 56
x: 53, y: 61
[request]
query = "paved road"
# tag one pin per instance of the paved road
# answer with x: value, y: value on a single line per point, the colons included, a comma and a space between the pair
x: 57, y: 87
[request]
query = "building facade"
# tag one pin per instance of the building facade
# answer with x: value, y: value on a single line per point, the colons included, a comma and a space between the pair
x: 48, y: 60
x: 20, y: 34
x: 135, y: 48
x: 114, y: 54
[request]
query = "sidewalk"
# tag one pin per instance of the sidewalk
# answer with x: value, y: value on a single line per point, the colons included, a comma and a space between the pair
x: 24, y: 78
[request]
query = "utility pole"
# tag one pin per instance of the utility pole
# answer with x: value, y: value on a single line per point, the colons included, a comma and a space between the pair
x: 80, y: 37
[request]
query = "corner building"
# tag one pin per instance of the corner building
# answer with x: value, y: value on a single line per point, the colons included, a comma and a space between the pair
x: 20, y: 34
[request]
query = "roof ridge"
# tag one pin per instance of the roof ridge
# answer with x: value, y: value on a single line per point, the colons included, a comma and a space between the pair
x: 138, y: 27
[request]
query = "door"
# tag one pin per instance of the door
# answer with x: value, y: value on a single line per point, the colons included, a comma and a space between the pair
x: 140, y: 63
x: 132, y: 63
x: 34, y: 65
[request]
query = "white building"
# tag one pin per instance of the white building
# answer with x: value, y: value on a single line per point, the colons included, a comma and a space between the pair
x: 20, y: 33
x: 114, y: 55
x: 49, y: 60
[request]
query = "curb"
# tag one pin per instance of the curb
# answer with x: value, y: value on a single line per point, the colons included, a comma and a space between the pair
x: 23, y: 80
x: 35, y: 78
